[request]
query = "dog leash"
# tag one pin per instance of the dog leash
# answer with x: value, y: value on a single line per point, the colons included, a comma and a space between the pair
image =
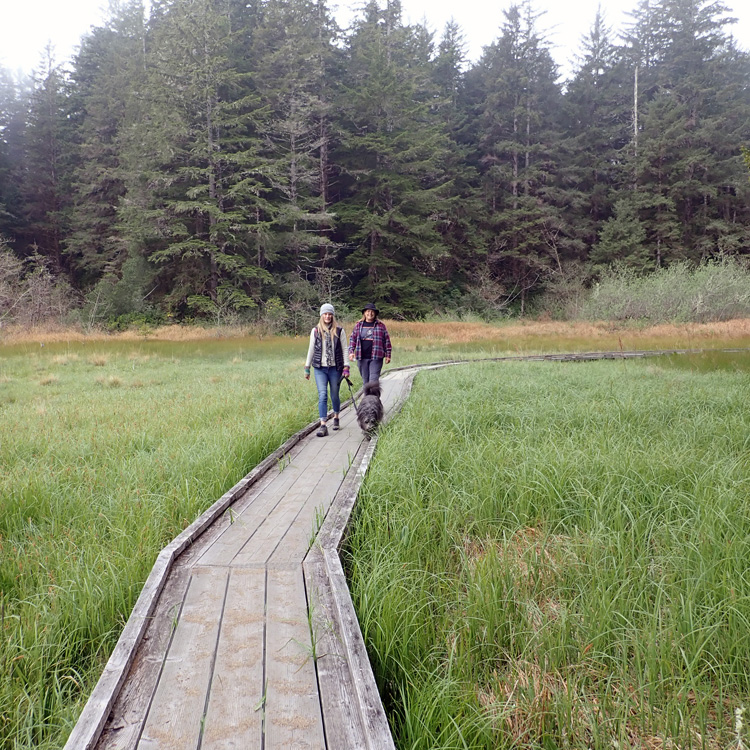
x: 351, y: 393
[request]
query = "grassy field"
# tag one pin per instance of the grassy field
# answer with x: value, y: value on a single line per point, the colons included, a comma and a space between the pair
x: 111, y: 445
x: 560, y: 559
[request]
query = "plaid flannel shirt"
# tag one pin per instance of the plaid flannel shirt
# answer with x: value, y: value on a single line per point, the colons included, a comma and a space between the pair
x: 381, y: 341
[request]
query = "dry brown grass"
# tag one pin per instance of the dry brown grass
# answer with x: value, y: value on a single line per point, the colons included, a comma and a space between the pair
x: 524, y: 696
x: 533, y: 555
x: 64, y: 359
x: 455, y: 333
x: 438, y: 333
x: 58, y: 335
x: 110, y: 382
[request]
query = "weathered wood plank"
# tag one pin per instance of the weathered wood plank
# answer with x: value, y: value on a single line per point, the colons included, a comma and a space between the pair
x: 247, y: 524
x: 234, y: 720
x: 129, y: 712
x: 341, y: 716
x: 292, y: 707
x: 333, y: 528
x: 175, y: 718
x: 291, y: 499
x: 366, y: 695
x: 311, y: 511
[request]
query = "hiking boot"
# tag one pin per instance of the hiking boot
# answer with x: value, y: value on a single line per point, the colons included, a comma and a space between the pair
x: 335, y: 423
x: 322, y: 431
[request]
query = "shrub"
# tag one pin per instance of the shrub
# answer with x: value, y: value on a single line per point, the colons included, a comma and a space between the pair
x: 30, y: 294
x: 713, y: 291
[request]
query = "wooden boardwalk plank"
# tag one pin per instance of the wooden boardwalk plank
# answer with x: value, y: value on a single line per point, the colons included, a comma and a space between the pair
x: 252, y: 518
x: 292, y: 707
x: 175, y: 719
x: 311, y: 504
x: 234, y: 720
x: 342, y: 720
x: 291, y: 499
x: 124, y: 727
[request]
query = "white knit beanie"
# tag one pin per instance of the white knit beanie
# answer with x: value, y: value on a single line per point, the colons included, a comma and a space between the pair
x: 327, y: 308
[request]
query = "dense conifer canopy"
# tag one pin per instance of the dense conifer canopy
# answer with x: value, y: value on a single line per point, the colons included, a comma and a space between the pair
x: 250, y: 158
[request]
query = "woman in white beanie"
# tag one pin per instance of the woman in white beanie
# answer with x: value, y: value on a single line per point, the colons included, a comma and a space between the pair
x: 326, y: 355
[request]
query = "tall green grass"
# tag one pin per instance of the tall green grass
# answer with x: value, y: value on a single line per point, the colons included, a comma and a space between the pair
x: 107, y: 453
x: 556, y: 555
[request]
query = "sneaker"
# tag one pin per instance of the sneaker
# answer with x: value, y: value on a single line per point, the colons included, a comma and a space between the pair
x: 322, y: 431
x: 335, y: 423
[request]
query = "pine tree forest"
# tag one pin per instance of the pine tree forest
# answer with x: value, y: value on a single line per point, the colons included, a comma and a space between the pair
x: 239, y: 159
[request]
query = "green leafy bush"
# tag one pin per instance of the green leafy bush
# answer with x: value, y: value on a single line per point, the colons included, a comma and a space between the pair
x: 713, y: 291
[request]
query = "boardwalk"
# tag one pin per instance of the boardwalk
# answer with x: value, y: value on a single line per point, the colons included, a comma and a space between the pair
x: 252, y: 641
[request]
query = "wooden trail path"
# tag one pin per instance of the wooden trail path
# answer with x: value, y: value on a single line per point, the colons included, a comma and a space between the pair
x: 244, y: 636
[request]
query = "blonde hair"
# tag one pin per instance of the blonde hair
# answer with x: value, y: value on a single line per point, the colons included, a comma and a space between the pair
x: 322, y: 326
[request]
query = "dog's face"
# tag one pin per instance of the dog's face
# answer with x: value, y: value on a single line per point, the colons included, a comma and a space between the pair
x: 370, y: 413
x: 370, y: 410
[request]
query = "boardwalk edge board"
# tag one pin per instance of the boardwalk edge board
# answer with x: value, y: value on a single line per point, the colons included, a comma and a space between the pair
x: 92, y: 719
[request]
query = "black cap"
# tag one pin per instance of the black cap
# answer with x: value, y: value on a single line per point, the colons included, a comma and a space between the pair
x: 370, y: 306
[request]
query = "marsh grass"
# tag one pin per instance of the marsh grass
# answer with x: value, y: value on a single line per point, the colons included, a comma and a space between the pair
x: 135, y: 435
x: 106, y: 456
x: 560, y: 558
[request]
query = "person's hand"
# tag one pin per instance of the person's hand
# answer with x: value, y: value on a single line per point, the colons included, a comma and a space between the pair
x: 307, y: 373
x: 387, y: 360
x: 345, y: 373
x: 351, y: 358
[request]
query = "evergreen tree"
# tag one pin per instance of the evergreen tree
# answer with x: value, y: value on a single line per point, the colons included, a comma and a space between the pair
x: 460, y: 220
x: 293, y: 59
x: 519, y: 138
x: 691, y: 111
x: 392, y: 155
x: 48, y: 164
x: 191, y: 163
x: 108, y: 76
x: 598, y: 122
x: 12, y: 122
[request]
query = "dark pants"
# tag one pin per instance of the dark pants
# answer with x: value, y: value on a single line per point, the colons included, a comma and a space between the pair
x: 370, y: 369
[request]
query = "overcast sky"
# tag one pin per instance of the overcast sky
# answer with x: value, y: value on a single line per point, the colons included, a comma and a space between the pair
x: 27, y: 25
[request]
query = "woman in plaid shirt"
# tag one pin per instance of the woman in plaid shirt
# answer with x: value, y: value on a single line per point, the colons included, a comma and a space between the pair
x: 370, y: 344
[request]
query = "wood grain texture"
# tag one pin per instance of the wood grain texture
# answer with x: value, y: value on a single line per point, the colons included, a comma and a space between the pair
x: 234, y: 719
x: 342, y: 718
x: 176, y: 716
x: 292, y: 707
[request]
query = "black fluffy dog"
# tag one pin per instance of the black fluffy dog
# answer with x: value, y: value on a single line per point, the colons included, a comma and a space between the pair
x: 370, y: 409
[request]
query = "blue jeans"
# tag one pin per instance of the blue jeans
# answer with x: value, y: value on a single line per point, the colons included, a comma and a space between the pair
x: 370, y: 369
x: 325, y: 376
